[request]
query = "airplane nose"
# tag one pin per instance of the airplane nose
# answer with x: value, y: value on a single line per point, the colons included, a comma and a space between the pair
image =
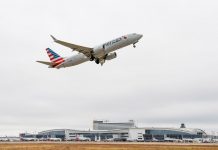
x: 140, y: 36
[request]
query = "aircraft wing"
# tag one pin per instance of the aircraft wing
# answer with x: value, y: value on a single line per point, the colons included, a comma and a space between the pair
x: 81, y: 49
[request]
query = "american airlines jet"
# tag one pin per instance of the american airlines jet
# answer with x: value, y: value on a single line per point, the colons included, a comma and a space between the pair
x: 99, y: 54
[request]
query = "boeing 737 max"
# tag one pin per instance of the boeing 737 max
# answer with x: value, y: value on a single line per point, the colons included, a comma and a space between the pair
x: 99, y: 54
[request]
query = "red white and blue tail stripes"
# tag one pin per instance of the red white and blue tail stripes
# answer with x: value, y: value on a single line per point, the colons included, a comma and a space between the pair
x: 54, y: 57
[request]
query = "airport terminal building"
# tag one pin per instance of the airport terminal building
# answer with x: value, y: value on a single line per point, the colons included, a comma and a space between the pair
x: 123, y: 131
x: 106, y: 125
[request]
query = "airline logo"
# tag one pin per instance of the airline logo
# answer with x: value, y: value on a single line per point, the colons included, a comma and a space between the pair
x: 54, y: 57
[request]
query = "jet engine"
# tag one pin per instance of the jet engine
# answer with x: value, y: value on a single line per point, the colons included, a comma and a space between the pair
x: 111, y: 56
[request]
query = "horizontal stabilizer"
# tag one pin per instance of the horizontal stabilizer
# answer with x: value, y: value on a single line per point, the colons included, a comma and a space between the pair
x: 45, y: 62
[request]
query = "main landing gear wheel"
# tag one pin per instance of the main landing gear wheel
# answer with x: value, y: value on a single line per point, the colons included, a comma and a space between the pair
x: 134, y: 46
x: 92, y: 58
x: 97, y: 61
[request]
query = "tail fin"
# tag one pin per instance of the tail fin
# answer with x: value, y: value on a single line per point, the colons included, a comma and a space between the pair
x: 54, y: 57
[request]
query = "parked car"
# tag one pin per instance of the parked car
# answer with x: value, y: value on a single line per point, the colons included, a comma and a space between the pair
x: 83, y: 139
x: 131, y: 140
x: 54, y: 139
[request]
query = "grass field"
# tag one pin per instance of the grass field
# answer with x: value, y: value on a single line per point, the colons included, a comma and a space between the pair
x: 105, y: 146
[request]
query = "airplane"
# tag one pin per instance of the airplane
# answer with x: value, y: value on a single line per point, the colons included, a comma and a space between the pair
x: 99, y: 54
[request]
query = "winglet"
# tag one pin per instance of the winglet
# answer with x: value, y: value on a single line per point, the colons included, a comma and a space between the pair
x: 53, y: 38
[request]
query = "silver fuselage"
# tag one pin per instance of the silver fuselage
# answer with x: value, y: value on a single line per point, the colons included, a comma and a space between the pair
x: 102, y: 50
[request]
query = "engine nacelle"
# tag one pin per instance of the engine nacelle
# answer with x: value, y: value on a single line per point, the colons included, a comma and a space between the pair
x: 111, y: 56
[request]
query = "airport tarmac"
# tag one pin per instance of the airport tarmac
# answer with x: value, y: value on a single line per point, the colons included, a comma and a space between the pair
x: 105, y: 146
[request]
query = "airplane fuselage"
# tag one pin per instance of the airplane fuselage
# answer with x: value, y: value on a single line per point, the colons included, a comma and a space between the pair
x: 102, y: 52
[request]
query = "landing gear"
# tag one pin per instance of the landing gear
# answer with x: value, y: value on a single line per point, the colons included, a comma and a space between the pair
x: 134, y: 44
x: 92, y: 58
x: 97, y: 61
x: 102, y: 62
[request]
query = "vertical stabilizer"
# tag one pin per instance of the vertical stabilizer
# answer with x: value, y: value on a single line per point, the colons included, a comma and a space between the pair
x: 54, y: 57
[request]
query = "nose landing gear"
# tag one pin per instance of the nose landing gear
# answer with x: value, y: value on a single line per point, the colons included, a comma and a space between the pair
x: 134, y: 44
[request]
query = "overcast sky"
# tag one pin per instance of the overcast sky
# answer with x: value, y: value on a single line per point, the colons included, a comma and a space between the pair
x: 170, y: 78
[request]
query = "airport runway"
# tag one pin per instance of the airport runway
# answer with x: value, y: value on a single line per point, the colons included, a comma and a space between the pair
x: 104, y: 146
